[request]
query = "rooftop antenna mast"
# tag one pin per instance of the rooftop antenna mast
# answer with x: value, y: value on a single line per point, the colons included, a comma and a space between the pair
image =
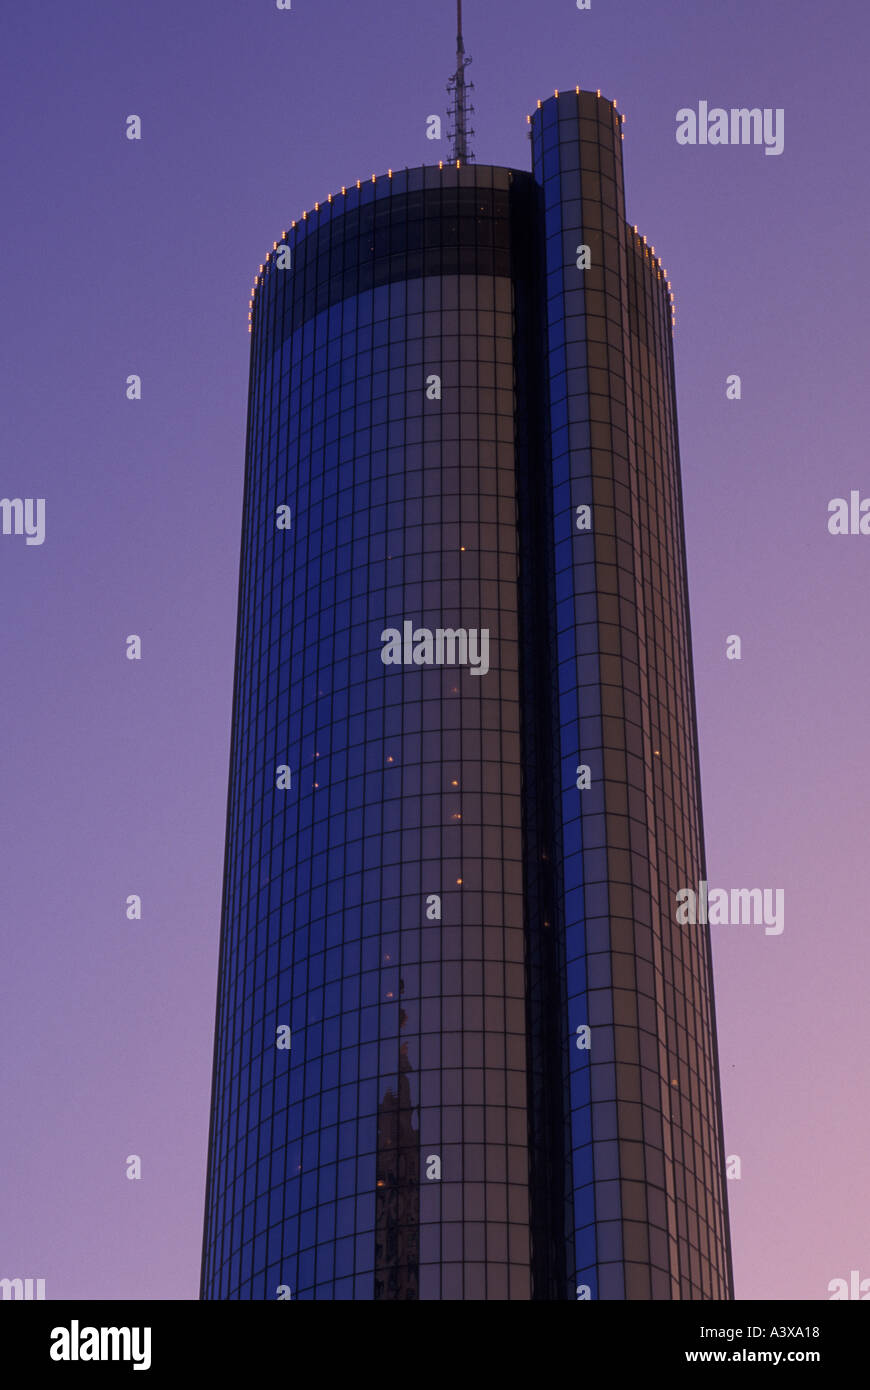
x: 460, y: 108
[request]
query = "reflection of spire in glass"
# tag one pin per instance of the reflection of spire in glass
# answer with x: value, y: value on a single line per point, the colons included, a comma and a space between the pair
x: 397, y: 1206
x: 463, y: 389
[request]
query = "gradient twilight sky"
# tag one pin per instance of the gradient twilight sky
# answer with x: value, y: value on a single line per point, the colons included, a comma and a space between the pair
x: 129, y: 257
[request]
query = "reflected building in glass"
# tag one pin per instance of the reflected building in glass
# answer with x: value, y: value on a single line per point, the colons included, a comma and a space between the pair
x: 463, y: 1049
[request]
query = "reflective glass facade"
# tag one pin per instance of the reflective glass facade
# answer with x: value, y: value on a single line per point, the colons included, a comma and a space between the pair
x: 421, y: 907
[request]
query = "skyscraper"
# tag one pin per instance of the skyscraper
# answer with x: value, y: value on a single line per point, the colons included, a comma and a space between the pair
x: 463, y: 1049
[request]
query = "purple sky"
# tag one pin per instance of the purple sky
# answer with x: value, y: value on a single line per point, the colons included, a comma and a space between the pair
x: 126, y: 257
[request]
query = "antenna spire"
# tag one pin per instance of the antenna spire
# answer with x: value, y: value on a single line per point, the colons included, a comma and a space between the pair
x: 460, y: 107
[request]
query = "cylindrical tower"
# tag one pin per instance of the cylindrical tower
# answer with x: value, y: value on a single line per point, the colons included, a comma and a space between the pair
x: 374, y: 888
x: 643, y: 1200
x: 463, y: 1049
